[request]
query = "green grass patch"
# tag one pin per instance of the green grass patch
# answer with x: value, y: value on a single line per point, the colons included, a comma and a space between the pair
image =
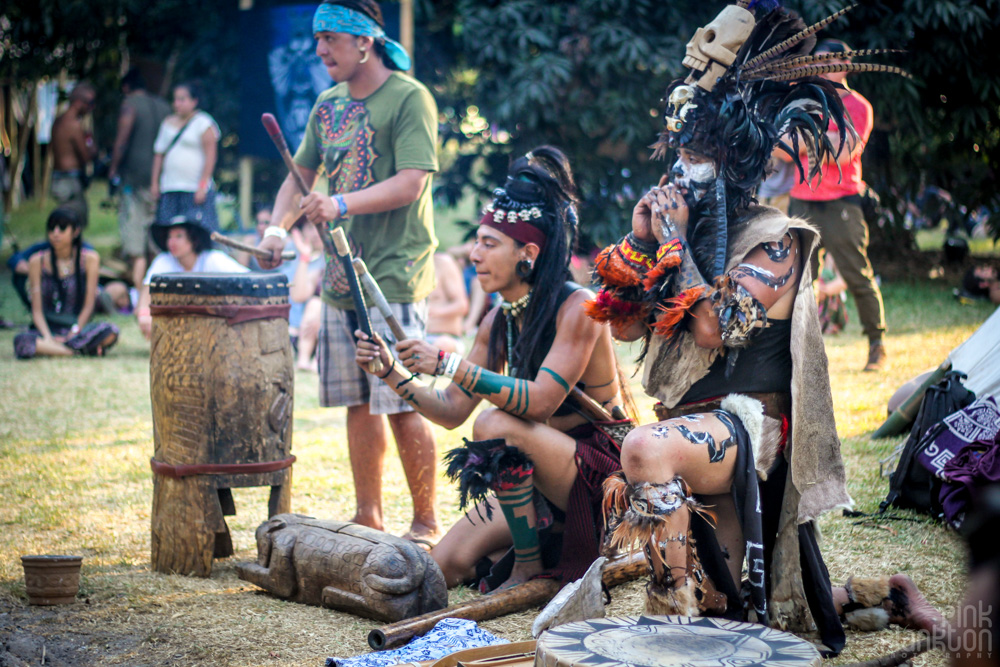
x: 76, y: 437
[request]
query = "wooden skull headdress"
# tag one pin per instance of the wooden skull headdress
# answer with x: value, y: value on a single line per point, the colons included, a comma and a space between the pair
x: 753, y: 85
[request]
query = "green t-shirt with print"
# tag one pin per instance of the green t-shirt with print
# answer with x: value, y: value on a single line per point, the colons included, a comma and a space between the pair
x: 358, y: 143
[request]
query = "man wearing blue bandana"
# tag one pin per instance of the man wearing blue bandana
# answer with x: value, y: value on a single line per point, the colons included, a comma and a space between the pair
x: 373, y: 136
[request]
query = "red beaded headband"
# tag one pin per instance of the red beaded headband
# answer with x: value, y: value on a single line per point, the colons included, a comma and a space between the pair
x: 515, y: 224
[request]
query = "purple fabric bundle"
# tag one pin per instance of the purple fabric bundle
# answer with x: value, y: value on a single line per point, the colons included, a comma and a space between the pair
x: 966, y: 456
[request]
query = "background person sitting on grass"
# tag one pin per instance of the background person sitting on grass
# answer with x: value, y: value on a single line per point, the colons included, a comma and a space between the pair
x: 186, y: 246
x: 62, y: 287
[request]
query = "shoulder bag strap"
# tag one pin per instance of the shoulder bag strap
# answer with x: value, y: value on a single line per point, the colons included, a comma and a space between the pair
x: 173, y: 142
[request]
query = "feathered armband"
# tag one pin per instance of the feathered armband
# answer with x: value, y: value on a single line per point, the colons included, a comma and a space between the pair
x: 741, y: 315
x: 621, y: 269
x: 482, y: 466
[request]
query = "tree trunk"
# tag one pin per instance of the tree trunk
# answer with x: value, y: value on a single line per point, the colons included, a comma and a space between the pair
x: 20, y: 146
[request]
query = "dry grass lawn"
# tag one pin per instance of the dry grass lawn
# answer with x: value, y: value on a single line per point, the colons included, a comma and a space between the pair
x: 75, y: 442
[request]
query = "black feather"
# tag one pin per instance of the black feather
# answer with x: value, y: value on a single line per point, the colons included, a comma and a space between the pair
x: 477, y: 467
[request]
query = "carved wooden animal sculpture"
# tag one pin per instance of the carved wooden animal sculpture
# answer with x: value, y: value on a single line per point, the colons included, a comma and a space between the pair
x: 345, y: 566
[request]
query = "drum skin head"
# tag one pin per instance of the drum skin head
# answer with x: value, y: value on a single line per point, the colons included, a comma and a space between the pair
x: 674, y: 641
x: 253, y: 283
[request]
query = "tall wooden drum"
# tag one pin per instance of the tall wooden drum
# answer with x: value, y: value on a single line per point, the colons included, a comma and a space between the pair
x: 221, y: 384
x: 671, y: 641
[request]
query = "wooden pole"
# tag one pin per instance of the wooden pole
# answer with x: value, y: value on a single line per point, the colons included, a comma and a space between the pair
x: 38, y: 169
x: 24, y: 133
x: 246, y: 166
x: 246, y: 191
x: 406, y: 30
x: 524, y: 596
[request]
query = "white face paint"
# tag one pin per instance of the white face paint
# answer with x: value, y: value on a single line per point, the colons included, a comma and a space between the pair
x: 693, y: 171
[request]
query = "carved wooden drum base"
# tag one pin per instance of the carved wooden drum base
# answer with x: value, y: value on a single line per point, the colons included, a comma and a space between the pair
x: 221, y: 386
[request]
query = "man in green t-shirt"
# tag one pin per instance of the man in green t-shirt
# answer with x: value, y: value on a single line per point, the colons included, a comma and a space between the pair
x: 374, y: 137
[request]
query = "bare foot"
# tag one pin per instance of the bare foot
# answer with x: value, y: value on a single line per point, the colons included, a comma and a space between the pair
x: 908, y: 607
x: 423, y: 535
x: 371, y: 522
x: 521, y: 572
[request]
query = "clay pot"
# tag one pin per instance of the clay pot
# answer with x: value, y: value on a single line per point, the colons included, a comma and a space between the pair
x: 51, y: 579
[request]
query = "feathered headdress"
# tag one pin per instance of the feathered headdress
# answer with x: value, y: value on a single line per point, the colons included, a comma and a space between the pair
x: 754, y: 85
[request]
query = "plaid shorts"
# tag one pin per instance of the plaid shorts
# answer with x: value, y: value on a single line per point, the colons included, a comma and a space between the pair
x: 341, y: 380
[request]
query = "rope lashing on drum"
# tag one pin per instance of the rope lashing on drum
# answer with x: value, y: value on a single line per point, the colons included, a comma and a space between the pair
x: 234, y: 314
x: 189, y: 469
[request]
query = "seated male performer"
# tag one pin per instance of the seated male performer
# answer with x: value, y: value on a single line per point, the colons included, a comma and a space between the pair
x: 541, y: 457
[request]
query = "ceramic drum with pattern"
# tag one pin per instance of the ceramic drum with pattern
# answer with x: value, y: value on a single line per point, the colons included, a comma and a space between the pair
x: 674, y: 641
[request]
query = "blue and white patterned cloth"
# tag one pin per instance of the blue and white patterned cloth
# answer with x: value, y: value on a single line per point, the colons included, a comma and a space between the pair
x: 336, y: 18
x: 448, y: 636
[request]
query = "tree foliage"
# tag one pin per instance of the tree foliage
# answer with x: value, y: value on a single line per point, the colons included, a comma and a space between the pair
x: 97, y: 39
x: 584, y: 75
x: 588, y: 76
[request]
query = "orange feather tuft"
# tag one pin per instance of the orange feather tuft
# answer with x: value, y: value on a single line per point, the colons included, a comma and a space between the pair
x: 675, y: 311
x: 667, y: 262
x: 613, y: 270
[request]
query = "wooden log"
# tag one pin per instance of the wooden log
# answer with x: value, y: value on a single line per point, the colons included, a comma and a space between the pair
x: 524, y: 596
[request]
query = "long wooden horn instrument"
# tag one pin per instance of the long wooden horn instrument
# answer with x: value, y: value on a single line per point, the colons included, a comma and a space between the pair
x: 511, y: 600
x: 360, y: 307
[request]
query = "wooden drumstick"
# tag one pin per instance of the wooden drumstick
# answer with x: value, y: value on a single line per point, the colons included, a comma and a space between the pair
x: 375, y: 293
x: 256, y: 252
x: 364, y: 321
x: 274, y: 131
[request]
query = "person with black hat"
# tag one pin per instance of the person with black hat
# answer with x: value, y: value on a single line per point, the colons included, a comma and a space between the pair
x: 186, y: 247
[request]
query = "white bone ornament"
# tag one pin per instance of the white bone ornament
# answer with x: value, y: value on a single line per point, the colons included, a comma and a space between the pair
x: 714, y: 47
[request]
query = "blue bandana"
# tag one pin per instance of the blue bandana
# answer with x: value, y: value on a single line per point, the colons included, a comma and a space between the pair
x: 335, y: 18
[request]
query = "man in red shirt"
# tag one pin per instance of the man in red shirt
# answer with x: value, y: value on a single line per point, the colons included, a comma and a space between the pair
x: 834, y: 206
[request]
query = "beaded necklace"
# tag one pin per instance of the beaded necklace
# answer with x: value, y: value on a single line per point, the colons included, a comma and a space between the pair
x: 513, y: 310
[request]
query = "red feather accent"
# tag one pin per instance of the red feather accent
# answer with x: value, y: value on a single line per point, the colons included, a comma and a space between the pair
x: 675, y: 310
x: 613, y: 269
x: 667, y: 262
x: 619, y: 312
